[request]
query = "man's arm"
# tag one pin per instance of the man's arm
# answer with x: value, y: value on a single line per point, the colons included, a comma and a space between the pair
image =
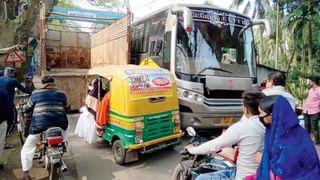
x: 228, y: 138
x: 21, y: 88
x: 29, y: 106
x: 66, y: 104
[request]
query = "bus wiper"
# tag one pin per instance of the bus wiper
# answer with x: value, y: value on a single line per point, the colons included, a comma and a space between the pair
x: 212, y: 68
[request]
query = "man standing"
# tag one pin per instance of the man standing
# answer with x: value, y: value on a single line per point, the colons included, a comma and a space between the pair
x: 3, y: 121
x: 311, y: 109
x: 49, y: 106
x: 8, y: 84
x: 275, y: 86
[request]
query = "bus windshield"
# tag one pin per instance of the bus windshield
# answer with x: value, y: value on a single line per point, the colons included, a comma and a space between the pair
x: 214, y: 42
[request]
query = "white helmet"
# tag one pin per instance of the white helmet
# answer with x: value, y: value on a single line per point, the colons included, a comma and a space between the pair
x: 9, y: 71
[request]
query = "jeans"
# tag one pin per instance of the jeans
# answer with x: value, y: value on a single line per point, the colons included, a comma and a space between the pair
x: 228, y: 174
x: 312, y: 125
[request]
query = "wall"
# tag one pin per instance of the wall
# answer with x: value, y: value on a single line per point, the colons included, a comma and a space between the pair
x: 74, y: 85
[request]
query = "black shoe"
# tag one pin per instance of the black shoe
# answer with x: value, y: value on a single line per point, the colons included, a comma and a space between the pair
x: 1, y: 167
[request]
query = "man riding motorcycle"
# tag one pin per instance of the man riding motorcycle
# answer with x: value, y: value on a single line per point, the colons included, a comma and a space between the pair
x: 248, y: 134
x: 49, y: 106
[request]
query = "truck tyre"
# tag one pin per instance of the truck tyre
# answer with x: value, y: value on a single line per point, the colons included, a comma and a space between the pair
x: 119, y: 153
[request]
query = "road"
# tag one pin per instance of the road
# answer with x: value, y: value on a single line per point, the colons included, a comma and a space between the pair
x: 95, y: 162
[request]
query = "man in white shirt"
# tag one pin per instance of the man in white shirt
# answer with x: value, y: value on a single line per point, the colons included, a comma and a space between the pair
x: 247, y: 134
x: 275, y: 86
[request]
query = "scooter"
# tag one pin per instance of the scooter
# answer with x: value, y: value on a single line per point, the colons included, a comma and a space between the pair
x: 191, y: 166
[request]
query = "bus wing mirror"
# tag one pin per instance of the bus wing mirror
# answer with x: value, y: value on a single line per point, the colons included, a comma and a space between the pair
x: 187, y: 16
x: 267, y: 26
x: 264, y: 22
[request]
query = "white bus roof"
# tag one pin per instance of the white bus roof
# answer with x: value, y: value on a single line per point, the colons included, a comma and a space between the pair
x: 187, y: 5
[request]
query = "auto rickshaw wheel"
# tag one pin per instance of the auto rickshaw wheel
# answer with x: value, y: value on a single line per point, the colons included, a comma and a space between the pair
x: 119, y: 153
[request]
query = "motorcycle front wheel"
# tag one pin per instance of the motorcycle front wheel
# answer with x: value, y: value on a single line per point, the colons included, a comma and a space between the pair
x: 178, y: 174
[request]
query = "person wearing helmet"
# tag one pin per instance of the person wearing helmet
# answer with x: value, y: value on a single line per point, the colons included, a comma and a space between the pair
x: 48, y: 106
x: 8, y: 84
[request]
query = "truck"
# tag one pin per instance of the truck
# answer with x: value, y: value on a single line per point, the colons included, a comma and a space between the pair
x: 210, y: 51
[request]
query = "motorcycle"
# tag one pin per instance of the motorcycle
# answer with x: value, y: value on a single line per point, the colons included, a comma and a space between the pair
x: 51, y: 148
x: 191, y: 166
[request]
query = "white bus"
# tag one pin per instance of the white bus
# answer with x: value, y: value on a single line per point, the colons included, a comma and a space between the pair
x: 210, y: 51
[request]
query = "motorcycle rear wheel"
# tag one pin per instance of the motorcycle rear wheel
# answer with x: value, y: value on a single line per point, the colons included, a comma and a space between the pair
x: 54, y: 171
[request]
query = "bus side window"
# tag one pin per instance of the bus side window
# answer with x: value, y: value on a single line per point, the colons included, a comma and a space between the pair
x: 158, y: 47
x: 166, y: 50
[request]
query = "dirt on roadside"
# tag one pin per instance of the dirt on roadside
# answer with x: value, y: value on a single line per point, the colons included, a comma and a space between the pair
x: 10, y: 158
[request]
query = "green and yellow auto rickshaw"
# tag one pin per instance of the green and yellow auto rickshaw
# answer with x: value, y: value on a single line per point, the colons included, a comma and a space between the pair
x: 144, y: 110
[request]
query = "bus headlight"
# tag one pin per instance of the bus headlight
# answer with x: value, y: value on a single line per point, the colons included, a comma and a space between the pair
x: 190, y: 95
x: 185, y: 94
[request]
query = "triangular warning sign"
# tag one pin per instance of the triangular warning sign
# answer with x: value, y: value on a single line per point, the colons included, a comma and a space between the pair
x: 14, y: 57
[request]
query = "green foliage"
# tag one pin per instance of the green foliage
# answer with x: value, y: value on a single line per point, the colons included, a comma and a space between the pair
x: 66, y: 4
x: 120, y: 5
x: 294, y: 38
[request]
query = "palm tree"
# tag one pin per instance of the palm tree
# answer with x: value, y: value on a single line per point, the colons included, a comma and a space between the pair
x: 255, y: 10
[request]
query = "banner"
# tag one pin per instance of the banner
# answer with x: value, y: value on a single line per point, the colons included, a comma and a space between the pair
x: 149, y: 83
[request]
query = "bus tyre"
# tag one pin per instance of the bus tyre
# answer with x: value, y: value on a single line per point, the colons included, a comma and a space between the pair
x: 119, y: 153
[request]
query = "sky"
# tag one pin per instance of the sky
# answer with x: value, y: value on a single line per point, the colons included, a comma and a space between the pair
x: 143, y: 7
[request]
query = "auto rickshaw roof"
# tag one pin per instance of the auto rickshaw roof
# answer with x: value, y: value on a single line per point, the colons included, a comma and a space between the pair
x: 110, y: 71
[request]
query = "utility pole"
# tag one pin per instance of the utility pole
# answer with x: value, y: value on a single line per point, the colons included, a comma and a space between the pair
x: 43, y: 64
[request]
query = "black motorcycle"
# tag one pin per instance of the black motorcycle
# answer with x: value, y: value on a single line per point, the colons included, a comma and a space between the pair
x: 191, y: 166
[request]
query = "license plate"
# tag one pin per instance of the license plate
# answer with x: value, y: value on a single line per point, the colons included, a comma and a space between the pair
x: 226, y: 120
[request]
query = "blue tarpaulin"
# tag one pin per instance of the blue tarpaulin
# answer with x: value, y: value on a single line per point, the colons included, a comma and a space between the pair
x: 85, y: 15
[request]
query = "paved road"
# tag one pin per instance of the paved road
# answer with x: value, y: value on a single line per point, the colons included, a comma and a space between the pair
x: 96, y: 161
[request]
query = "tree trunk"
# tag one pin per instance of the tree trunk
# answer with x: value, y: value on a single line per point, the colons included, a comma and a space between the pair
x: 310, y: 63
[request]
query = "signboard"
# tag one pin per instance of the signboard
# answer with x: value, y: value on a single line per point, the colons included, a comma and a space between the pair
x: 86, y: 15
x: 78, y: 15
x: 214, y: 16
x: 149, y: 82
x: 15, y: 57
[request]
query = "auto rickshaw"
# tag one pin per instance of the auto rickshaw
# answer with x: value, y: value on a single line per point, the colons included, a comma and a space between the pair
x: 144, y: 110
